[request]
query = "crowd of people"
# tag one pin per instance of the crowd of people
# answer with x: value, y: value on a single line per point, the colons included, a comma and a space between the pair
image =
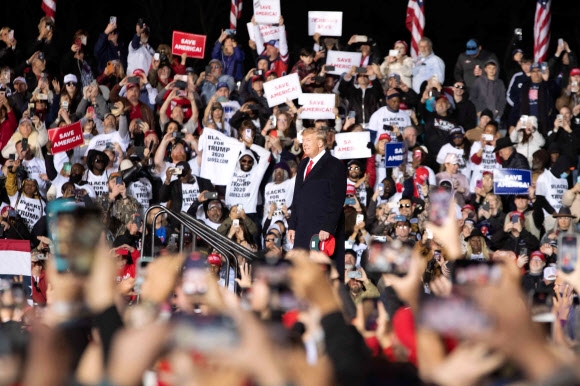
x: 440, y: 280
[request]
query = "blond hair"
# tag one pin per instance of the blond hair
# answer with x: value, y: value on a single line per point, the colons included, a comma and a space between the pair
x: 320, y: 134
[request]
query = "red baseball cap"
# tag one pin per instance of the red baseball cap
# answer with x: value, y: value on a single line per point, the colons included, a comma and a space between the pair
x: 538, y: 254
x: 469, y: 207
x: 214, y: 259
x: 575, y: 71
x: 385, y: 136
x: 421, y: 175
x: 350, y: 190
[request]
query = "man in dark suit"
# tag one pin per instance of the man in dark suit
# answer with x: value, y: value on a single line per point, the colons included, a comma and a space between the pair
x: 319, y: 194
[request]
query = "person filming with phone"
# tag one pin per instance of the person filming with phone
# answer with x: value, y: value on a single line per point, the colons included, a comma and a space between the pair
x: 187, y: 192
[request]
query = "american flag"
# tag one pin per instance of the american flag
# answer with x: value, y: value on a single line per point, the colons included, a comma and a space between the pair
x: 542, y: 30
x: 235, y: 12
x: 415, y: 24
x: 49, y: 8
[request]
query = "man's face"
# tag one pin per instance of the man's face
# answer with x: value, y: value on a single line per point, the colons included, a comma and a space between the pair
x: 458, y: 89
x: 441, y: 106
x: 223, y: 92
x: 362, y: 80
x: 505, y: 153
x: 133, y: 95
x: 258, y: 85
x: 330, y: 137
x: 564, y: 223
x: 110, y: 122
x: 355, y: 286
x: 228, y: 46
x: 402, y: 230
x: 490, y: 71
x: 405, y: 207
x: 22, y: 154
x: 424, y: 49
x: 269, y: 241
x: 263, y: 65
x: 410, y: 136
x: 246, y: 163
x: 475, y: 243
x: 20, y: 87
x: 101, y: 162
x: 349, y: 259
x: 526, y: 67
x: 522, y: 203
x: 214, y: 213
x: 177, y: 114
x: 566, y: 113
x: 394, y: 103
x: 216, y: 69
x: 311, y: 145
x: 536, y: 265
x: 178, y: 153
x: 536, y: 75
x: 271, y: 51
x: 354, y: 172
x: 77, y: 169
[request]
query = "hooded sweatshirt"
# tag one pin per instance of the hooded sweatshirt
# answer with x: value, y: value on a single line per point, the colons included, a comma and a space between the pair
x: 244, y: 186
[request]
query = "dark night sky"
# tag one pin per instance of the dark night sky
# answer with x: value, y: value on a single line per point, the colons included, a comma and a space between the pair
x: 449, y: 23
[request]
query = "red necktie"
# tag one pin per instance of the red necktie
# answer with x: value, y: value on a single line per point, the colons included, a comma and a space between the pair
x: 309, y: 168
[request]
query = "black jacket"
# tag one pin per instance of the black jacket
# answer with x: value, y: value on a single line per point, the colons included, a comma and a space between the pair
x: 516, y: 161
x: 173, y: 192
x: 363, y: 102
x: 506, y: 241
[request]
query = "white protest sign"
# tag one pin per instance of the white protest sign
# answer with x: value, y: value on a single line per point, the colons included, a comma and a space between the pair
x: 325, y: 23
x: 317, y: 106
x: 280, y: 194
x: 352, y: 145
x: 267, y: 12
x: 342, y: 61
x: 278, y: 91
x: 219, y: 156
x: 268, y: 32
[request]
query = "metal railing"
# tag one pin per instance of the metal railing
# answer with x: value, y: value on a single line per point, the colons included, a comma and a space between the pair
x: 225, y: 246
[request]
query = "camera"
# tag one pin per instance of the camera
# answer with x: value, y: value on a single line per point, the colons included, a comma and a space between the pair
x: 259, y: 72
x: 231, y: 32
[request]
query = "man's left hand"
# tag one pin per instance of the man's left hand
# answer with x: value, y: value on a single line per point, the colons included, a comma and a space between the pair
x: 323, y: 235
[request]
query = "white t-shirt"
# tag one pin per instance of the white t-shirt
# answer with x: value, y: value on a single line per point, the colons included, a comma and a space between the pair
x: 230, y: 108
x: 383, y: 117
x: 142, y: 191
x: 30, y: 209
x: 60, y: 180
x: 552, y: 188
x: 98, y: 183
x: 281, y: 194
x: 220, y: 155
x: 190, y: 194
x: 99, y: 142
x: 488, y: 163
x: 244, y: 186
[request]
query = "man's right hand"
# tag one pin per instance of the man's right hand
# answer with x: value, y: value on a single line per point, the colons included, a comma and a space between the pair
x: 291, y: 235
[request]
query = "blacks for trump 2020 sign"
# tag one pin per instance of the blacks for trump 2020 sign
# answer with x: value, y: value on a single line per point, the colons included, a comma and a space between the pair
x: 511, y: 181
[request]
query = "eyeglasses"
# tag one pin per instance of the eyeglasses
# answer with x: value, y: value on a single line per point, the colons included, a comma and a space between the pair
x: 71, y: 84
x: 459, y: 86
x: 353, y: 168
x: 404, y: 206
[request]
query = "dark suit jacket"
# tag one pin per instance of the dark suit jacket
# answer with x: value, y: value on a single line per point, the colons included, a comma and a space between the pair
x: 318, y: 204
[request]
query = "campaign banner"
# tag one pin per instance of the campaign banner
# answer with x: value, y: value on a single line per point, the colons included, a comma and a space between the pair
x: 352, y: 145
x: 267, y: 11
x: 219, y: 156
x: 325, y: 23
x: 394, y: 154
x: 317, y: 106
x: 342, y: 61
x: 193, y: 45
x: 511, y: 181
x: 268, y: 32
x: 66, y: 137
x: 278, y: 91
x: 15, y: 263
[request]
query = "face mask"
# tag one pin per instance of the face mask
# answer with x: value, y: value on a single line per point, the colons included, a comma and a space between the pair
x: 75, y: 178
x: 564, y: 175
